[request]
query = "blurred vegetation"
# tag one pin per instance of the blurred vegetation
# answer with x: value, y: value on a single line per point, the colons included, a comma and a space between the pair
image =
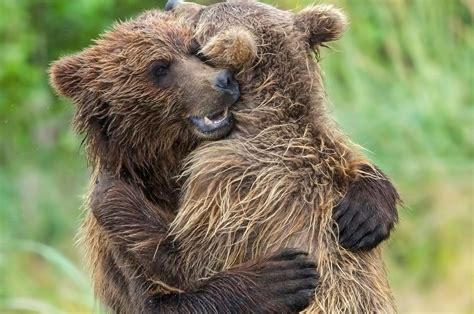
x: 400, y: 82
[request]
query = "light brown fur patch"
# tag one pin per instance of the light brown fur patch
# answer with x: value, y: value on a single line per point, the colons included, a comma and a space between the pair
x: 275, y: 182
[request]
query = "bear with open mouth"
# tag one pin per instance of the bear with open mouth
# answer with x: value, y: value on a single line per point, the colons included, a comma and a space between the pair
x: 286, y: 175
x: 142, y: 119
x: 144, y: 99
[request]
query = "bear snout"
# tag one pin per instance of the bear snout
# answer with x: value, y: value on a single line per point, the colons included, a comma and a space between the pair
x: 225, y: 83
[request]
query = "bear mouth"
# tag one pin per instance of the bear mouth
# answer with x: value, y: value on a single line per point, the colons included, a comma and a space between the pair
x: 214, y: 125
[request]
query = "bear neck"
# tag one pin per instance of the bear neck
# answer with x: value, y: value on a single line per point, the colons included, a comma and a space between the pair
x: 155, y: 173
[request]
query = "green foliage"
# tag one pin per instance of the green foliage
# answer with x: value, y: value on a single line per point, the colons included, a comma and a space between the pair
x: 400, y: 83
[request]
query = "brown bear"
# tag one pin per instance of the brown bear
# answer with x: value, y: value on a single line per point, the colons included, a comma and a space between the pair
x: 275, y: 180
x: 140, y: 119
x: 144, y: 100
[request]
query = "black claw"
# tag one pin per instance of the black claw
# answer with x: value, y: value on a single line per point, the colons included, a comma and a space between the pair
x: 340, y: 210
x: 344, y: 221
x: 367, y: 243
x: 308, y: 272
x: 290, y: 254
x: 360, y: 233
x: 373, y: 238
x: 346, y: 233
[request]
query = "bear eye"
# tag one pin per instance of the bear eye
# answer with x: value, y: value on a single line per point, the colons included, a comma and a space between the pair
x: 160, y: 69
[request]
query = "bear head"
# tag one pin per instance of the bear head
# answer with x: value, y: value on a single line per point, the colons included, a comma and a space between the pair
x: 143, y: 96
x: 275, y: 51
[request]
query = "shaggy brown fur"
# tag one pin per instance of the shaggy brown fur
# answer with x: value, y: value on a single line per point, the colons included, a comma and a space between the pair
x: 275, y: 181
x: 137, y: 134
x: 133, y: 106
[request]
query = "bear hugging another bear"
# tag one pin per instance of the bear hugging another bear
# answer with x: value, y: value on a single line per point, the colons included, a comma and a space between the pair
x: 275, y: 180
x: 209, y: 245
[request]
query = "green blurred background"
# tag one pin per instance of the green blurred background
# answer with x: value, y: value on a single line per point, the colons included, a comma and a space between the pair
x: 400, y: 83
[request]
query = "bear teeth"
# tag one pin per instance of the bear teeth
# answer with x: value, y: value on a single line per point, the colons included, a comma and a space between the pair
x: 216, y: 117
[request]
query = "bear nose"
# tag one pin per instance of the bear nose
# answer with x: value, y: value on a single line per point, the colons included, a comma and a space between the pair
x: 171, y: 4
x: 225, y: 82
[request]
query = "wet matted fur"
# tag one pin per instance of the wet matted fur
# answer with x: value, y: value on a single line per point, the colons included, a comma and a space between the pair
x: 133, y: 107
x: 275, y: 181
x: 136, y: 141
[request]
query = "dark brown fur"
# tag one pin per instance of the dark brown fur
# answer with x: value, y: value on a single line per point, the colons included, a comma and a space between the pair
x: 136, y: 134
x: 136, y: 153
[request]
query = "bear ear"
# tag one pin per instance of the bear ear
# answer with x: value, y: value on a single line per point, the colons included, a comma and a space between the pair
x: 322, y: 23
x: 65, y: 75
x: 235, y: 48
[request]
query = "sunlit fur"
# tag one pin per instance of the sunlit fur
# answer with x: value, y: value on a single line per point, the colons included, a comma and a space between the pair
x: 136, y: 136
x: 282, y: 170
x: 274, y: 183
x: 234, y: 47
x: 136, y: 133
